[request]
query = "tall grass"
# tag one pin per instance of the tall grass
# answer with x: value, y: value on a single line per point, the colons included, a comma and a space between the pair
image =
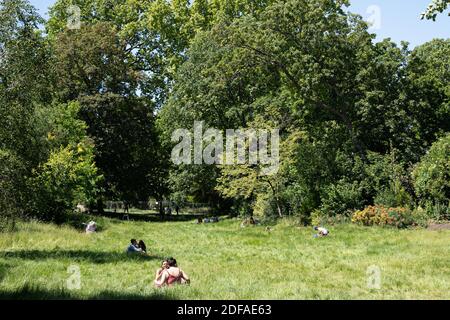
x: 225, y: 261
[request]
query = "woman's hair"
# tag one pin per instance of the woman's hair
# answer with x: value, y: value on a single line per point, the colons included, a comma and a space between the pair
x: 142, y: 245
x: 172, y: 262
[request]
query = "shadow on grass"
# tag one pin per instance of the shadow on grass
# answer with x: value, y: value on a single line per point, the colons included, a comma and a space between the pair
x: 3, y: 271
x: 78, y: 255
x: 32, y: 293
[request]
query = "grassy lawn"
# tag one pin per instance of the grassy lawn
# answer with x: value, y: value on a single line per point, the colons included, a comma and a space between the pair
x: 225, y: 261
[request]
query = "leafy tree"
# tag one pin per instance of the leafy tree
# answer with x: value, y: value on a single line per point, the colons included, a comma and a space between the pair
x: 432, y: 174
x: 127, y: 149
x: 23, y: 81
x: 155, y: 34
x: 434, y: 8
x: 428, y: 91
x: 307, y: 65
x: 93, y: 60
x: 12, y: 190
x: 68, y: 177
x: 66, y: 174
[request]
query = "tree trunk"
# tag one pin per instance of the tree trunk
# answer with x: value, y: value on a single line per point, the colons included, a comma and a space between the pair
x: 277, y: 200
x: 100, y: 207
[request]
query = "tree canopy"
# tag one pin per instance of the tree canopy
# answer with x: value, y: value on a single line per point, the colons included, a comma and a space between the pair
x: 88, y: 110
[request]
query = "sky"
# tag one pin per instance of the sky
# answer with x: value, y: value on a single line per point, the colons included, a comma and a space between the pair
x: 395, y: 19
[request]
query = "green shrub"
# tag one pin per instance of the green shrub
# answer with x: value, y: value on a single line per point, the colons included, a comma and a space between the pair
x: 431, y: 176
x: 67, y: 178
x: 393, y: 196
x: 437, y: 211
x: 299, y: 201
x: 379, y: 215
x: 342, y: 198
x: 320, y: 218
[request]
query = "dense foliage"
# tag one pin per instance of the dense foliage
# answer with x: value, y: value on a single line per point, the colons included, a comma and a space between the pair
x: 87, y: 114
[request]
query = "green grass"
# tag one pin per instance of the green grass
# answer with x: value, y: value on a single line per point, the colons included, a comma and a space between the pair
x: 225, y: 261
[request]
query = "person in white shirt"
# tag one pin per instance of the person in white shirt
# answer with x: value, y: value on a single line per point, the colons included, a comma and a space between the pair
x: 322, y: 232
x: 91, y: 227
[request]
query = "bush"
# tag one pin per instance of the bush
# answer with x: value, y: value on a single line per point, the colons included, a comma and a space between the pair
x: 393, y: 196
x: 437, y: 211
x: 67, y: 178
x: 299, y: 201
x: 379, y: 215
x: 342, y: 198
x: 387, y: 180
x: 320, y: 218
x: 432, y: 174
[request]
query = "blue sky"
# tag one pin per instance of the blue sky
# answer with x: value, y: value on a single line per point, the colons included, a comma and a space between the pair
x: 395, y: 19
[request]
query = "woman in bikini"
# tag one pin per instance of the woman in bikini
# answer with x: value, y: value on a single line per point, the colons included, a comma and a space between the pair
x: 159, y: 272
x: 172, y: 275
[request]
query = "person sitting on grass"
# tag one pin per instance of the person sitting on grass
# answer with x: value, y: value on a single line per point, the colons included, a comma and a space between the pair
x: 249, y: 222
x: 142, y: 246
x: 133, y: 247
x: 322, y: 232
x: 91, y: 227
x: 214, y: 219
x: 172, y: 275
x: 159, y: 272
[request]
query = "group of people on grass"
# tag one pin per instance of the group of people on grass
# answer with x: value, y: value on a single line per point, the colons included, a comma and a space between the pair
x: 168, y: 274
x: 207, y: 220
x: 249, y: 222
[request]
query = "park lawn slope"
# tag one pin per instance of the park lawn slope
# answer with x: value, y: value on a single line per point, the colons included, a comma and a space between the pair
x: 225, y: 261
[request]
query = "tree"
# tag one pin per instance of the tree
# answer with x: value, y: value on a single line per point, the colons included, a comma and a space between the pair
x: 308, y: 67
x: 434, y: 8
x: 432, y: 174
x: 127, y: 149
x: 67, y: 178
x: 67, y: 174
x: 23, y: 81
x: 427, y: 91
x: 155, y: 34
x: 12, y: 204
x: 93, y: 60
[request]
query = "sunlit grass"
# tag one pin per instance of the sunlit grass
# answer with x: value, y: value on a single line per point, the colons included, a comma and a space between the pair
x: 225, y: 261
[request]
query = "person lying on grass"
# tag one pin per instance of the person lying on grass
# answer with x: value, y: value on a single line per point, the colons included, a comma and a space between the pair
x: 322, y: 232
x: 172, y: 275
